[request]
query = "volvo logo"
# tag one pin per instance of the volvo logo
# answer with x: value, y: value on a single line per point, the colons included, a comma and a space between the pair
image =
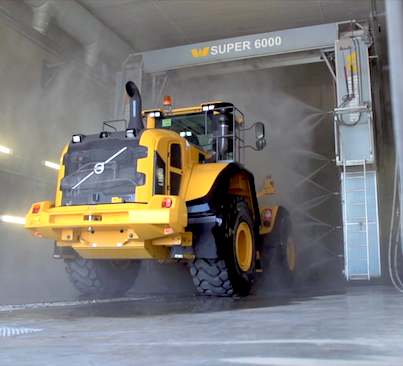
x: 99, y: 168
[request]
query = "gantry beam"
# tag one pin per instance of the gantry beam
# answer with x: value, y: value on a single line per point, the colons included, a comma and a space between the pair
x: 296, y: 40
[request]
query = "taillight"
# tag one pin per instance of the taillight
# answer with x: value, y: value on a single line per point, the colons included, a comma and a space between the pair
x: 36, y: 209
x: 167, y: 202
x: 168, y: 230
x: 268, y: 214
x: 38, y: 234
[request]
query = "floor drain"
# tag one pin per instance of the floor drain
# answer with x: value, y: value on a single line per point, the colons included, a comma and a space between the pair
x: 10, y: 332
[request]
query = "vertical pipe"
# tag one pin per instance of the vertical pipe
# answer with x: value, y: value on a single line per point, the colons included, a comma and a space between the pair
x: 366, y: 219
x: 345, y: 226
x: 394, y: 13
x: 394, y: 16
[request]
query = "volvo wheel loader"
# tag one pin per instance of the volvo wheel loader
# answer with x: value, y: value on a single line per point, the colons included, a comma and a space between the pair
x: 175, y: 189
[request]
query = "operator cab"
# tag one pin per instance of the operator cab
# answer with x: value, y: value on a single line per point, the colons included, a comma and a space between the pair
x: 216, y: 128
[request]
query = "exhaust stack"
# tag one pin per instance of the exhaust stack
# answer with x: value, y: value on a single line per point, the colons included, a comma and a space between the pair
x: 135, y: 120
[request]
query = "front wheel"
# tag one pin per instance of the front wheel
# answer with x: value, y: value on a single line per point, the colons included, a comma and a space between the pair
x: 102, y: 276
x: 234, y: 272
x: 282, y: 247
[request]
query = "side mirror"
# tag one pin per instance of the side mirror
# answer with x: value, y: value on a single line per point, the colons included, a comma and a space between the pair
x: 260, y: 144
x: 259, y: 130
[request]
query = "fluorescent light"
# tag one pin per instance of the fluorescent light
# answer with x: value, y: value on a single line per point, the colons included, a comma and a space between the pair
x: 5, y: 150
x: 13, y: 219
x: 51, y: 165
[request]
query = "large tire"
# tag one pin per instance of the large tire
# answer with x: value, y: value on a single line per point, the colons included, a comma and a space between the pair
x: 210, y: 277
x: 282, y: 250
x: 109, y: 277
x: 234, y: 272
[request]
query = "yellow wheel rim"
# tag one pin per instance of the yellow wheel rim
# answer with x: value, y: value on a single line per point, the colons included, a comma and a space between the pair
x: 291, y: 254
x: 244, y: 246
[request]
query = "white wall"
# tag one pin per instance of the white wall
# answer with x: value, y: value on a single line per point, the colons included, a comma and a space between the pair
x: 37, y: 124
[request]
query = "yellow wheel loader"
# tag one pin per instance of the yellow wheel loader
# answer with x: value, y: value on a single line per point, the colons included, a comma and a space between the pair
x: 174, y: 189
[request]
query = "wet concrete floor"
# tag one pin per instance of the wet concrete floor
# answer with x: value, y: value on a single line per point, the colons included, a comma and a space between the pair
x: 357, y: 326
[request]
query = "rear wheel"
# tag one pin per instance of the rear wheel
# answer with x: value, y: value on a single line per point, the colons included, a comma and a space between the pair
x: 234, y: 272
x: 99, y: 276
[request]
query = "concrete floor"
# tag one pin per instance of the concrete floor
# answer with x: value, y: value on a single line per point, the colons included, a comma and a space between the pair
x: 357, y: 326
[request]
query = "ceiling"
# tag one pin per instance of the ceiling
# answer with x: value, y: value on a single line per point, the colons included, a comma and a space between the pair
x: 148, y: 25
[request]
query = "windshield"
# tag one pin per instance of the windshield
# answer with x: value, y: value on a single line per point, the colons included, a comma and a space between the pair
x: 197, y: 128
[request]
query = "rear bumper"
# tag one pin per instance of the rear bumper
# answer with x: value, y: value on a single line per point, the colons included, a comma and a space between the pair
x: 121, y: 230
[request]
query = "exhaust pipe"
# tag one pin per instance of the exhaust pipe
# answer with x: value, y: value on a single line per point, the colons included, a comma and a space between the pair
x: 135, y: 120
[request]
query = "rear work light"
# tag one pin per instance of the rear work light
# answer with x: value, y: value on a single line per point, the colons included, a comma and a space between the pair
x: 268, y: 214
x: 77, y: 138
x: 130, y: 133
x: 36, y: 209
x: 167, y: 202
x: 208, y: 107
